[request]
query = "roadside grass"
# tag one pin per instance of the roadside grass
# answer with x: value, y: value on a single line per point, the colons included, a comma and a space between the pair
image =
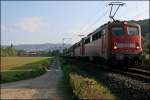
x: 146, y: 59
x: 88, y: 88
x: 68, y: 88
x: 101, y: 78
x: 13, y: 62
x: 84, y: 86
x: 32, y: 69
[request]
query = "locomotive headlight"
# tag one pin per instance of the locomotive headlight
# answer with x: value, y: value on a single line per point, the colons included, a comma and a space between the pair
x: 115, y: 47
x: 125, y: 22
x: 137, y: 47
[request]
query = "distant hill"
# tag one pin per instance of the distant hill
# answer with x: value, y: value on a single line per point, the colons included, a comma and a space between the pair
x: 39, y: 47
x: 145, y: 25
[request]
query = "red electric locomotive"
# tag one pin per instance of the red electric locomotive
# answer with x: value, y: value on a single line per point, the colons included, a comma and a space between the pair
x: 114, y: 42
x: 125, y: 42
x: 117, y: 41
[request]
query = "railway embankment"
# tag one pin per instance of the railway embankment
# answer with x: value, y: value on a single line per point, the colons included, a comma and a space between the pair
x: 123, y: 84
x: 84, y: 86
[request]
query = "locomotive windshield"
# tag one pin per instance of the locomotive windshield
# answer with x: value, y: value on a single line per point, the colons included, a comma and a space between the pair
x: 132, y: 30
x: 117, y: 30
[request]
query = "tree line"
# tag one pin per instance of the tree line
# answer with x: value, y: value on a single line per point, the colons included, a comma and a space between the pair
x: 11, y: 51
x: 8, y: 52
x: 146, y: 44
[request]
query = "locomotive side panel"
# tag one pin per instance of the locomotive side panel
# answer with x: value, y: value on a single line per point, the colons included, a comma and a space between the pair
x: 106, y: 39
x: 98, y: 46
x: 72, y: 54
x: 88, y: 49
x: 101, y: 45
x: 77, y: 51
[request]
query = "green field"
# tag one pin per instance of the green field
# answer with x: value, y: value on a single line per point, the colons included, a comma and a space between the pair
x: 18, y: 68
x: 13, y: 62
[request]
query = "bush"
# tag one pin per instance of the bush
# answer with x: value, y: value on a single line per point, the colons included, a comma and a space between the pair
x: 86, y: 88
x: 146, y: 59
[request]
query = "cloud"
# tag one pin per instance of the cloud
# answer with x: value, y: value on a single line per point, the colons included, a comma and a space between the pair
x: 27, y: 24
x: 5, y: 28
x: 32, y: 24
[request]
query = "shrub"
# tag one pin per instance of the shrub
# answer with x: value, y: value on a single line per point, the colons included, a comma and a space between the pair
x: 84, y: 87
x: 87, y: 88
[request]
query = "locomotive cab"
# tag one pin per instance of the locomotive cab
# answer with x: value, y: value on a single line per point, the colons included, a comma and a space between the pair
x: 126, y: 42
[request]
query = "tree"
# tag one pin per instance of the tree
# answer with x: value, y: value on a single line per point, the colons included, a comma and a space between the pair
x: 20, y: 52
x: 8, y: 51
x: 146, y: 43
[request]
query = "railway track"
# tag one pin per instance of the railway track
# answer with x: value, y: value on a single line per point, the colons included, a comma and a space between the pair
x: 135, y: 74
x: 142, y: 67
x: 130, y: 84
x: 139, y: 73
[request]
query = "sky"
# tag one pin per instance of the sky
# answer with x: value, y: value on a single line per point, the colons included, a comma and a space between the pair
x: 38, y: 22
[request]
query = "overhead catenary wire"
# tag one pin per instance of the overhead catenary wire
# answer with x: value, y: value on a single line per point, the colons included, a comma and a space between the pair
x: 98, y: 19
x: 132, y: 9
x: 121, y: 13
x: 85, y: 27
x: 103, y: 14
x: 91, y: 17
x: 112, y: 4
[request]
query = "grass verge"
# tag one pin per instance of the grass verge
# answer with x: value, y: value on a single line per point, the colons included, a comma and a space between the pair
x: 85, y: 87
x: 68, y: 88
x: 146, y: 59
x: 26, y: 71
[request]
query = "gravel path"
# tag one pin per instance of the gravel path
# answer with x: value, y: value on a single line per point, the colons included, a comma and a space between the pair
x: 47, y: 86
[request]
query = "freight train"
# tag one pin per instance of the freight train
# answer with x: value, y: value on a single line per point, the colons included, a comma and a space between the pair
x: 114, y: 43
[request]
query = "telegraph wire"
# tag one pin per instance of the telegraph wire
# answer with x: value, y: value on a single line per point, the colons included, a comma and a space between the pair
x: 91, y: 17
x: 82, y: 30
x: 98, y: 19
x: 86, y: 25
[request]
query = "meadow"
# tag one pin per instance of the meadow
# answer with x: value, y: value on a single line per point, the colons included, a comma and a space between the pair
x: 19, y: 68
x: 13, y: 62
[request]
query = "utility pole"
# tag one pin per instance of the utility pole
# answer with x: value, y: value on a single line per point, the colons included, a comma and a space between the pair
x: 63, y: 42
x: 81, y: 35
x: 112, y: 4
x: 11, y: 45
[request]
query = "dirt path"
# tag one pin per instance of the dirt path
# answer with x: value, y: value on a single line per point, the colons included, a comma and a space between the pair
x: 48, y: 86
